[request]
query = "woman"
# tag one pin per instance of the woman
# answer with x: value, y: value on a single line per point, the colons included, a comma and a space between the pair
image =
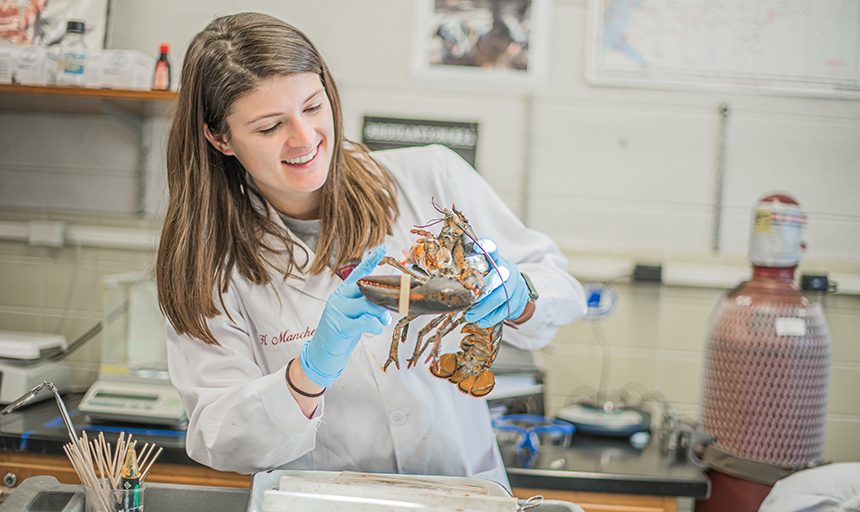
x: 278, y: 358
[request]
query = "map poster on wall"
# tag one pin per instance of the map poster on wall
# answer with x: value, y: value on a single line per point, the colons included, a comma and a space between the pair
x: 43, y: 23
x: 389, y: 133
x: 489, y: 43
x: 793, y: 47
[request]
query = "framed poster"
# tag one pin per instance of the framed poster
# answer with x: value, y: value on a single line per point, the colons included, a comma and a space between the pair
x: 791, y: 47
x: 43, y: 23
x: 488, y: 43
x: 389, y: 133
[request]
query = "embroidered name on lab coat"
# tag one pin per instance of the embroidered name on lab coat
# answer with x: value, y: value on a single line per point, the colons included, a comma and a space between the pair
x: 285, y: 337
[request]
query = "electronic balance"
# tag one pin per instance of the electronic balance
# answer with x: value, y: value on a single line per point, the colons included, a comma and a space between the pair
x: 137, y: 400
x: 590, y: 418
x: 26, y: 359
x: 133, y: 383
x: 597, y: 414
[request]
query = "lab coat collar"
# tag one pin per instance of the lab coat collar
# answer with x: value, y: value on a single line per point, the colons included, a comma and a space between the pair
x: 317, y: 286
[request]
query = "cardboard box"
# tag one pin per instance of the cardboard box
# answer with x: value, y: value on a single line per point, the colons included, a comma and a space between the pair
x: 27, y: 65
x: 120, y: 69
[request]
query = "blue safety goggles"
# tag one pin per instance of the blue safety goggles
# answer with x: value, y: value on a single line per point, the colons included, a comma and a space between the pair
x: 529, y: 431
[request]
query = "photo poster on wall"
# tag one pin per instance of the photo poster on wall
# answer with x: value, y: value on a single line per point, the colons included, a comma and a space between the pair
x: 380, y: 133
x: 43, y: 23
x: 499, y: 44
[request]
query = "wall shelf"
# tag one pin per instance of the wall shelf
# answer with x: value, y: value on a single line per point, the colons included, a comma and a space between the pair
x: 83, y: 100
x: 142, y: 112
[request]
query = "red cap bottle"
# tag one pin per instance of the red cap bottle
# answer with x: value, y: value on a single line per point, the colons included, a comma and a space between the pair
x: 161, y: 78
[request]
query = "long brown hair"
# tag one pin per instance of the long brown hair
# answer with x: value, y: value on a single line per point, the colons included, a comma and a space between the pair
x: 212, y: 225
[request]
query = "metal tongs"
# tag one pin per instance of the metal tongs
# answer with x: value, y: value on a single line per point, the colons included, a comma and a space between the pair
x: 532, y: 502
x: 27, y: 397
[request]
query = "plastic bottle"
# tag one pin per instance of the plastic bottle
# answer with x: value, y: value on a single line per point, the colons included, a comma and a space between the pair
x: 72, y: 64
x: 161, y: 79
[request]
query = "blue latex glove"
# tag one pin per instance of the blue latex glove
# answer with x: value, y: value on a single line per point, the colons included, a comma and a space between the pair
x: 346, y: 317
x: 493, y: 307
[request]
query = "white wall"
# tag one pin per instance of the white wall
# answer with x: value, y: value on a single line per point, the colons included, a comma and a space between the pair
x: 621, y: 166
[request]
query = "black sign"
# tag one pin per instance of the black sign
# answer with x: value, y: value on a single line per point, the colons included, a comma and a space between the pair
x: 389, y: 133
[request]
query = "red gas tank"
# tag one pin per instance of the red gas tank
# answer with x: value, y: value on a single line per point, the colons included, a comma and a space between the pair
x: 766, y: 367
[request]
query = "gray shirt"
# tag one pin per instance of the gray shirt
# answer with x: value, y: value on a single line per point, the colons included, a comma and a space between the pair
x: 308, y: 231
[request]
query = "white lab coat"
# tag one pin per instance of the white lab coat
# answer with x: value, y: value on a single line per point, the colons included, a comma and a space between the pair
x: 241, y: 415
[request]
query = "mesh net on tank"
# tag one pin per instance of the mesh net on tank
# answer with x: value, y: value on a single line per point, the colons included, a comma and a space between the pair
x: 764, y: 395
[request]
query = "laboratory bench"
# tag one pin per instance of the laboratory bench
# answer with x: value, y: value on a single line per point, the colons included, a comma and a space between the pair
x: 32, y: 440
x: 606, y: 473
x: 597, y: 473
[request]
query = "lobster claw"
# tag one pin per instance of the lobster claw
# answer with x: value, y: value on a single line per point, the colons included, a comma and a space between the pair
x: 434, y: 295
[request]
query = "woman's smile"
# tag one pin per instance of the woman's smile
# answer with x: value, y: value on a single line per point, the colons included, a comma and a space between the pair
x: 303, y: 159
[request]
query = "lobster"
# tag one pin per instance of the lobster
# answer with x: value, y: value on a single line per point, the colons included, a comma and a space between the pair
x: 446, y: 278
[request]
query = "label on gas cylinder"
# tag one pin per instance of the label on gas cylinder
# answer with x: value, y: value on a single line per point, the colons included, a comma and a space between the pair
x: 790, y: 327
x: 777, y: 238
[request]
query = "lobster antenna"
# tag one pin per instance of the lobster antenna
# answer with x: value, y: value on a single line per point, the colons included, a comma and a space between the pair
x: 467, y: 230
x: 438, y: 209
x: 436, y: 205
x: 493, y: 263
x: 472, y: 237
x: 431, y: 223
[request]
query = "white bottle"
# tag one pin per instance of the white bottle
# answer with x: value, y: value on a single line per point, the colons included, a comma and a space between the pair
x: 72, y: 64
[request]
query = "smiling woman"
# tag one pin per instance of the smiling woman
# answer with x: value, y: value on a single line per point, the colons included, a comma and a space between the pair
x: 225, y: 152
x: 270, y: 213
x: 282, y: 133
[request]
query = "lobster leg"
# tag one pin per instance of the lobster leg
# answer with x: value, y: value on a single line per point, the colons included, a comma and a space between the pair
x: 437, y: 340
x: 495, y: 342
x: 400, y: 331
x: 423, y: 332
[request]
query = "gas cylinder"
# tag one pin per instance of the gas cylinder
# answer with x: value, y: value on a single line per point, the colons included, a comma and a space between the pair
x: 766, y: 367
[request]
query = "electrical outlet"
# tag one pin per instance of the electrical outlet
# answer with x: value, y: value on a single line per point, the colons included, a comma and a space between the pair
x: 47, y: 234
x: 653, y: 273
x: 817, y: 283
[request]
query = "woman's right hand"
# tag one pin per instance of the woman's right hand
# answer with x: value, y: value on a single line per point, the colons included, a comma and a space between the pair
x: 347, y: 316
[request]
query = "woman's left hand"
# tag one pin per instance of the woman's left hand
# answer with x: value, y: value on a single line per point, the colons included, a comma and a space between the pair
x: 513, y: 297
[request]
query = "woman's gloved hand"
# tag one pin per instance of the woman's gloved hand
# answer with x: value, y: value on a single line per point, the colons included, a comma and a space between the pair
x: 346, y: 317
x: 493, y: 307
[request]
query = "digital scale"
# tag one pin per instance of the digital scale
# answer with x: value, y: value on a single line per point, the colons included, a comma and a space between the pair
x: 145, y: 401
x: 593, y: 420
x: 596, y: 415
x: 26, y: 361
x: 133, y: 383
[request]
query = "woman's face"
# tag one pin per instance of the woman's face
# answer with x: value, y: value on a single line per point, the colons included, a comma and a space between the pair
x: 282, y: 132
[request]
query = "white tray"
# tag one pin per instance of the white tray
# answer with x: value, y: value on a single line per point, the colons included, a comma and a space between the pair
x: 265, y: 480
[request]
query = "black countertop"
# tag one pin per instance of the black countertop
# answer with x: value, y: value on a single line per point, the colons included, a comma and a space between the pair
x: 606, y: 464
x: 38, y: 428
x: 590, y: 464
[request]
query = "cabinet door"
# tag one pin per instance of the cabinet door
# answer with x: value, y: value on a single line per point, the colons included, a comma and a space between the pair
x: 25, y: 465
